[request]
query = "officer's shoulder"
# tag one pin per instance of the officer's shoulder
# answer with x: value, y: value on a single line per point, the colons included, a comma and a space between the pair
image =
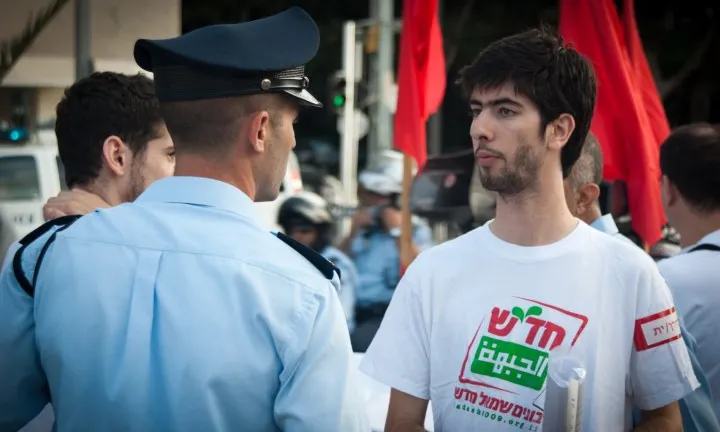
x: 326, y: 268
x: 48, y: 228
x: 32, y: 247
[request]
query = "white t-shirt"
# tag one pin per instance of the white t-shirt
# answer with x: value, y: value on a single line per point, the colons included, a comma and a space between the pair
x: 694, y: 279
x: 473, y: 320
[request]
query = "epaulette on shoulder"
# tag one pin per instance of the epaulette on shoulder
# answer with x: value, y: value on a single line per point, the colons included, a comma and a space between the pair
x: 705, y: 247
x: 318, y: 261
x: 27, y: 286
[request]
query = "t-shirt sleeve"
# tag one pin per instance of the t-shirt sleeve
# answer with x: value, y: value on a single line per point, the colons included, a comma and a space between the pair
x: 399, y: 355
x: 660, y: 368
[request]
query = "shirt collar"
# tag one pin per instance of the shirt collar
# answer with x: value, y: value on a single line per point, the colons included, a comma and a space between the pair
x: 712, y: 238
x: 202, y: 191
x: 606, y: 224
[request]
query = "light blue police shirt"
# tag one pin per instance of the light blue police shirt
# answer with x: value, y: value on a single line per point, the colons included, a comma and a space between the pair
x: 697, y: 408
x: 9, y: 254
x: 348, y: 284
x: 377, y: 258
x: 178, y: 312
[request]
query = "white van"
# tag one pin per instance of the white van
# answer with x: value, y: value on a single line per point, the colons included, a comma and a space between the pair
x: 32, y: 173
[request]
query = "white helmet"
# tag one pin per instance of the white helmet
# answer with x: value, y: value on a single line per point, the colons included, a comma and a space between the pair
x: 386, y: 175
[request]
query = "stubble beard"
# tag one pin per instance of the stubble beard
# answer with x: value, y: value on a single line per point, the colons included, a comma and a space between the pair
x: 515, y: 180
x: 137, y: 182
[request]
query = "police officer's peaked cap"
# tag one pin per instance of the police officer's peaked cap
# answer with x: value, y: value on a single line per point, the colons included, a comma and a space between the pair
x: 253, y: 57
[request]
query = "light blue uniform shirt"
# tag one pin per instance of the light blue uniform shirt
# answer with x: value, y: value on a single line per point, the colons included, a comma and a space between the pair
x: 9, y: 254
x: 178, y: 312
x: 348, y: 283
x: 377, y: 259
x: 697, y: 408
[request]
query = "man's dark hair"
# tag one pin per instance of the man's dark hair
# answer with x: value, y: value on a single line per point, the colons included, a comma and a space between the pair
x: 556, y: 78
x: 209, y: 126
x: 589, y: 166
x: 97, y: 107
x: 690, y: 158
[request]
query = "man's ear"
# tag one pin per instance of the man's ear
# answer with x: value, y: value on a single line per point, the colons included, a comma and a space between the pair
x: 258, y: 130
x: 559, y: 131
x: 117, y: 156
x: 587, y: 196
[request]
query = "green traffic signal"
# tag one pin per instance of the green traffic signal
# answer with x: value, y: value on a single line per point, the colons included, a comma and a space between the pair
x: 339, y: 100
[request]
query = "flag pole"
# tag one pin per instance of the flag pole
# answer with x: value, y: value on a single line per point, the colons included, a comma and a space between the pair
x: 406, y: 215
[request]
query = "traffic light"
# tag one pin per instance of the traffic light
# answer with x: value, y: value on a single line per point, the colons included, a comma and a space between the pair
x: 336, y: 93
x: 15, y: 130
x: 13, y: 135
x: 338, y: 101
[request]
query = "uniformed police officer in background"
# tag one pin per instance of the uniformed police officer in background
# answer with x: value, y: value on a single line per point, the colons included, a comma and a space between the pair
x: 374, y: 243
x: 179, y: 311
x: 307, y: 218
x: 690, y: 184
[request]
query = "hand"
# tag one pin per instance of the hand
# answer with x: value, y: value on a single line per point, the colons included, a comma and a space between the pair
x: 391, y: 218
x: 72, y: 202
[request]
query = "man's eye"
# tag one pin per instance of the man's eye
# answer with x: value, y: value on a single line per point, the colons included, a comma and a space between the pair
x: 505, y: 112
x: 474, y: 112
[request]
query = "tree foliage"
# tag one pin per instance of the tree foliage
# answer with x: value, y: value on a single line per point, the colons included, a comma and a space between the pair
x: 11, y: 50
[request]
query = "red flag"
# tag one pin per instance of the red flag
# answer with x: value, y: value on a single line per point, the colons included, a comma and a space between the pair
x: 643, y: 74
x: 628, y: 109
x: 421, y: 77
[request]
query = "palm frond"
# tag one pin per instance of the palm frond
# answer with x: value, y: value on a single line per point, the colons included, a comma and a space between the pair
x: 11, y: 50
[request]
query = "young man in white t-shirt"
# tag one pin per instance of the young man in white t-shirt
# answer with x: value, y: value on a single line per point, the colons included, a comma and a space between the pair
x: 473, y: 322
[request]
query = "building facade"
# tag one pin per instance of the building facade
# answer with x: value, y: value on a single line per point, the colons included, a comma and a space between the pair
x: 37, y: 81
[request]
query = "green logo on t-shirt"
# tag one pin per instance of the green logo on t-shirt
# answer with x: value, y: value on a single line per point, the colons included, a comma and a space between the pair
x: 511, y: 362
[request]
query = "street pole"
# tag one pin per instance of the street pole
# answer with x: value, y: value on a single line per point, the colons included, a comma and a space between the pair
x: 383, y: 74
x: 374, y: 82
x: 349, y: 142
x: 83, y: 35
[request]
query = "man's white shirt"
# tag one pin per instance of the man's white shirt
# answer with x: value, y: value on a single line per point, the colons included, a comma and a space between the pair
x: 473, y: 321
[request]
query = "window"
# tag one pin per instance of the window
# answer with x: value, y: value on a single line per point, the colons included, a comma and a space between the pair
x: 61, y: 173
x: 19, y: 178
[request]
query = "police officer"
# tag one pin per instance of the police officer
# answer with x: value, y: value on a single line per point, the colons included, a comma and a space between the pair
x: 179, y: 311
x: 374, y: 243
x: 307, y: 218
x: 690, y: 166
